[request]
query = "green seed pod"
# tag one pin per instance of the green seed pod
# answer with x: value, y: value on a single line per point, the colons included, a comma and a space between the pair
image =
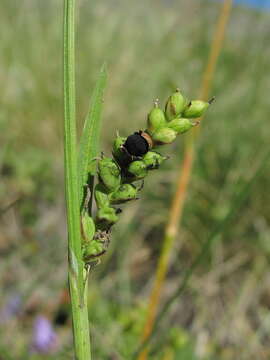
x: 88, y: 227
x: 175, y: 105
x: 101, y: 196
x: 164, y: 136
x: 92, y: 249
x: 125, y: 193
x: 153, y: 160
x: 107, y: 214
x: 195, y: 108
x: 156, y: 119
x: 138, y: 169
x: 109, y: 173
x: 118, y: 142
x: 180, y: 125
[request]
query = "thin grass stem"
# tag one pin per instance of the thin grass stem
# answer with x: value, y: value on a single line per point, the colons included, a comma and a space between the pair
x: 76, y: 266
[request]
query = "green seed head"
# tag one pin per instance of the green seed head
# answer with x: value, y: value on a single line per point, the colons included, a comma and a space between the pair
x: 101, y: 196
x: 107, y: 215
x: 164, y: 136
x: 153, y: 160
x: 156, y: 119
x: 175, y: 105
x: 126, y: 192
x: 195, y: 108
x: 180, y: 125
x: 138, y: 169
x: 109, y: 173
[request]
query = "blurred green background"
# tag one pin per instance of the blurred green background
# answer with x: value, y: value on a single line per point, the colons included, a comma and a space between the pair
x: 150, y: 47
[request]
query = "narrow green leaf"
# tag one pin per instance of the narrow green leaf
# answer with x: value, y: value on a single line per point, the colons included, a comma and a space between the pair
x: 90, y: 138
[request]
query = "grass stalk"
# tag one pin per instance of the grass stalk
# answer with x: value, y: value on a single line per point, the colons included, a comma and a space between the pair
x: 171, y: 229
x: 76, y: 266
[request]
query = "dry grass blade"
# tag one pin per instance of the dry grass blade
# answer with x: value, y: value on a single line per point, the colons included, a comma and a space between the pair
x: 182, y: 184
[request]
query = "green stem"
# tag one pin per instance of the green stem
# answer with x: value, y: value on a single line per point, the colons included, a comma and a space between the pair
x: 76, y: 266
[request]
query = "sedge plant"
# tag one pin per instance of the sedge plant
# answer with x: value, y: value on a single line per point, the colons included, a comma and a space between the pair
x: 76, y: 170
x: 119, y: 178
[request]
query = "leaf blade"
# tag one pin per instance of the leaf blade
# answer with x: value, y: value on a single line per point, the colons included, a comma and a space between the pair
x: 90, y: 137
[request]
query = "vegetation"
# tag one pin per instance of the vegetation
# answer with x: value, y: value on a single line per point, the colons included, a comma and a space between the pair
x: 158, y: 46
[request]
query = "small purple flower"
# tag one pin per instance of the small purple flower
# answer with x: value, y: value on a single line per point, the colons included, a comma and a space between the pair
x: 44, y: 337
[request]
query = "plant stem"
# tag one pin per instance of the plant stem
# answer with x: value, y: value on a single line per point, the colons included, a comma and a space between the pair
x: 182, y: 183
x: 78, y: 292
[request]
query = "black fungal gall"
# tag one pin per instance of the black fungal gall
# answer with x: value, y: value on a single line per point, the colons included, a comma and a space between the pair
x: 137, y: 144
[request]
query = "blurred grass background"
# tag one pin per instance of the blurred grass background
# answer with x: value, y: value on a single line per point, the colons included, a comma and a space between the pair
x: 151, y: 47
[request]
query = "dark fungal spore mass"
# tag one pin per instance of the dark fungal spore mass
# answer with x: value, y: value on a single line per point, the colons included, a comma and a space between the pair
x: 136, y: 145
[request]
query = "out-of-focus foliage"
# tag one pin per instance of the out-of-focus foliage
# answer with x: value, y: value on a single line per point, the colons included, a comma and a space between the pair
x: 151, y: 47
